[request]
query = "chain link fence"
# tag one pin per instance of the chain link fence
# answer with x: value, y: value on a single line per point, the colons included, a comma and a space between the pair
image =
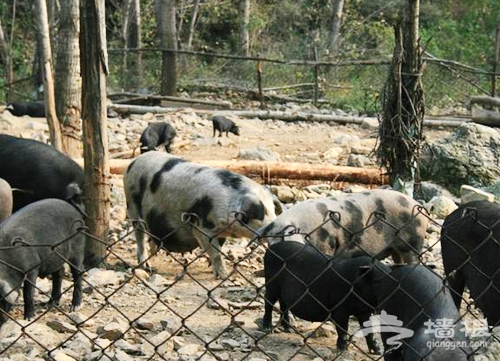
x: 177, y: 310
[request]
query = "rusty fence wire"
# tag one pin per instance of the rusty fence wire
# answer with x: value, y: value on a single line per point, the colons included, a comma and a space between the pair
x: 177, y: 310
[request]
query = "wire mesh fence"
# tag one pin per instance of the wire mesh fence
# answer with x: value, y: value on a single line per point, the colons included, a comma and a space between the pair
x: 178, y: 310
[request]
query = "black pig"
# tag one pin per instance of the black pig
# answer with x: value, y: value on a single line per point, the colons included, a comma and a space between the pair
x: 417, y: 298
x: 33, y: 109
x: 470, y: 244
x: 36, y: 242
x: 223, y: 124
x: 317, y: 288
x: 38, y: 171
x: 157, y: 134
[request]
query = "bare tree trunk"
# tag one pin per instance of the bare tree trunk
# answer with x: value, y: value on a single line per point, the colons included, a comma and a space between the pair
x: 48, y: 80
x: 94, y: 65
x: 5, y: 54
x: 244, y: 24
x: 403, y: 107
x: 167, y: 35
x: 192, y: 23
x: 132, y: 40
x: 68, y: 81
x: 333, y: 42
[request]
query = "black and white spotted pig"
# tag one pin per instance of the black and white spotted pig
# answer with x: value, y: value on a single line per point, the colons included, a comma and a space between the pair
x: 37, y: 241
x: 223, y: 124
x: 5, y: 199
x: 318, y: 288
x: 156, y: 134
x: 161, y: 189
x: 38, y: 171
x: 377, y: 223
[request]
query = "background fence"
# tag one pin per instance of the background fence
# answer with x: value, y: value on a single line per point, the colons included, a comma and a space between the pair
x: 181, y: 312
x: 351, y: 84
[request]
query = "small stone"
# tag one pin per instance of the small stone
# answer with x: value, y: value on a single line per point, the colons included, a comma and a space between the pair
x: 61, y: 326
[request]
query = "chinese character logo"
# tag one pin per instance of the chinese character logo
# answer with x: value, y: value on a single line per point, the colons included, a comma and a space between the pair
x: 386, y: 323
x: 441, y: 328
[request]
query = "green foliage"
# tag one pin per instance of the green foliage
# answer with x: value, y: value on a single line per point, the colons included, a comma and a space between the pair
x: 459, y: 30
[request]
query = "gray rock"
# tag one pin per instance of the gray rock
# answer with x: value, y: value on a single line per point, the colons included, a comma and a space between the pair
x: 441, y: 206
x: 469, y: 156
x: 469, y: 194
x: 259, y: 153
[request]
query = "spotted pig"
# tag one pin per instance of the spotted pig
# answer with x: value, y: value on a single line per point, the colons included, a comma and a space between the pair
x: 163, y: 192
x: 377, y: 223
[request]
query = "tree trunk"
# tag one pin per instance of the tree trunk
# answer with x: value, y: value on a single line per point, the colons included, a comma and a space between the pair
x: 68, y: 82
x: 333, y: 41
x: 192, y: 24
x: 244, y: 24
x: 48, y: 80
x: 132, y: 40
x: 5, y: 55
x: 167, y: 35
x: 403, y: 107
x: 94, y: 115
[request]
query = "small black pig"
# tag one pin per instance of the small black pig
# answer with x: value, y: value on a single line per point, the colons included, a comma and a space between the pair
x: 470, y: 244
x: 317, y: 288
x: 38, y: 171
x: 157, y: 134
x: 418, y: 298
x: 36, y: 242
x: 33, y: 109
x: 223, y: 124
x: 5, y: 199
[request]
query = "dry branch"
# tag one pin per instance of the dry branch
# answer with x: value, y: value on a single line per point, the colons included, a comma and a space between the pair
x: 268, y: 171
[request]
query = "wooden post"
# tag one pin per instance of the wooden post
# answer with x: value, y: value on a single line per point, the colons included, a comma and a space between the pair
x: 94, y: 66
x: 48, y: 79
x: 496, y: 61
x: 259, y: 83
x: 316, y: 77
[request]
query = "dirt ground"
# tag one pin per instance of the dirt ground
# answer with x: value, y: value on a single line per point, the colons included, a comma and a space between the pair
x: 218, y: 316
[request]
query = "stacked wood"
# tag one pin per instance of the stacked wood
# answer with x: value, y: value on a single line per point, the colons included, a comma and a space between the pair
x: 487, y: 117
x: 268, y: 171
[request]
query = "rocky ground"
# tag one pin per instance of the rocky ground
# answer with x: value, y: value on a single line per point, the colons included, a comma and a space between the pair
x: 180, y: 312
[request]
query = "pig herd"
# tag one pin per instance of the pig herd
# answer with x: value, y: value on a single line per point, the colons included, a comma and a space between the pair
x: 326, y: 258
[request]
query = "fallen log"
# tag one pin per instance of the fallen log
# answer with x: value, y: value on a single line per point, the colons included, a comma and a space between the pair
x: 287, y: 117
x: 485, y: 100
x: 268, y: 171
x: 486, y: 117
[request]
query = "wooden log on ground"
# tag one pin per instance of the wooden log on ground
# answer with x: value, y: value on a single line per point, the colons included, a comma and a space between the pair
x: 485, y: 100
x: 268, y: 171
x: 486, y: 117
x: 287, y: 117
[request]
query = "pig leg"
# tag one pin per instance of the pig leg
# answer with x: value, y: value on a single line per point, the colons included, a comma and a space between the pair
x: 142, y: 248
x: 285, y: 317
x: 270, y: 299
x: 457, y: 286
x: 341, y: 326
x: 29, y: 294
x: 212, y: 247
x: 57, y: 278
x: 77, y: 275
x: 370, y: 341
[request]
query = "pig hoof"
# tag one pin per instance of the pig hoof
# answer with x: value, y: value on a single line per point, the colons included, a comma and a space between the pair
x: 375, y: 350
